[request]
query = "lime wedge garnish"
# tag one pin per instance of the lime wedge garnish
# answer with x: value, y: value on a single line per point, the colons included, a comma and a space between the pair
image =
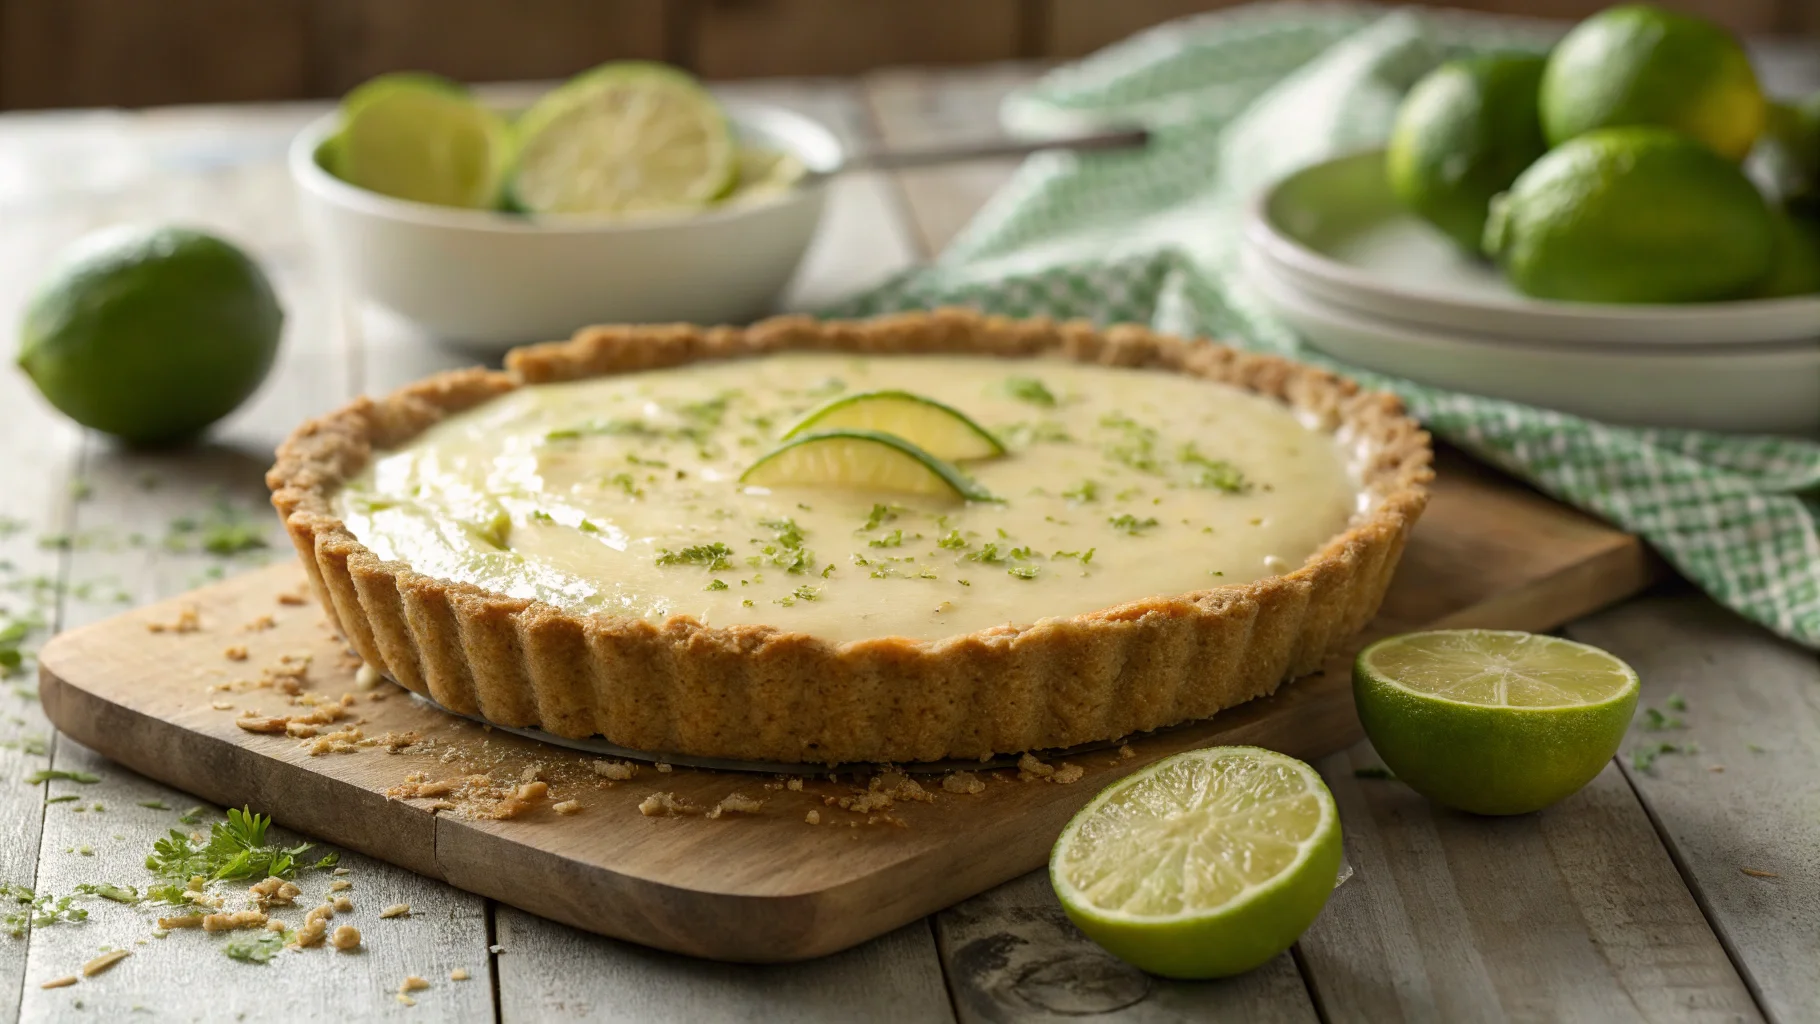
x: 1203, y: 865
x: 864, y: 459
x: 938, y: 429
x: 422, y: 138
x: 1493, y: 721
x: 627, y: 137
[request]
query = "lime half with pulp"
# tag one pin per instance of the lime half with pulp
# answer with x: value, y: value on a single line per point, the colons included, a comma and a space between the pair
x: 865, y: 459
x: 630, y: 137
x: 938, y: 429
x: 1203, y: 865
x: 423, y: 138
x: 1493, y: 721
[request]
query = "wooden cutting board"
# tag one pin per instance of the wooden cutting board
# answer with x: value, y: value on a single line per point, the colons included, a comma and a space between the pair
x: 766, y: 886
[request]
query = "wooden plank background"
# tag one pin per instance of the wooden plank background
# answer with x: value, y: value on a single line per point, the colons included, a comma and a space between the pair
x: 135, y: 53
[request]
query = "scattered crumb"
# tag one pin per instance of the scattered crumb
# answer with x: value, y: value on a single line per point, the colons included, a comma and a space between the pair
x: 63, y: 982
x: 567, y: 807
x: 222, y: 705
x: 346, y: 937
x: 341, y: 741
x: 1029, y: 769
x: 618, y: 771
x: 342, y: 904
x: 103, y: 962
x: 260, y: 624
x: 366, y: 676
x: 315, y: 927
x: 406, y: 1000
x: 1755, y: 873
x: 736, y: 803
x: 396, y: 910
x: 496, y: 949
x: 793, y: 785
x: 275, y: 892
x: 274, y: 925
x: 665, y: 805
x: 1068, y: 774
x: 813, y: 817
x: 188, y: 620
x: 1715, y: 767
x: 662, y: 767
x: 412, y: 983
x: 963, y: 782
x: 299, y: 730
x: 234, y: 653
x: 232, y: 921
x: 1125, y: 752
x: 459, y: 974
x: 185, y: 921
x: 339, y: 884
x: 292, y: 599
x: 263, y: 723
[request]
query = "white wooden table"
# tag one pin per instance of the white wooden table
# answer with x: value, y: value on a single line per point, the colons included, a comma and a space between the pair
x: 1629, y: 901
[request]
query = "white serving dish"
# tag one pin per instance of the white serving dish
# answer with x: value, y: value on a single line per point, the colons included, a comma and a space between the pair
x: 1768, y: 388
x: 1335, y: 232
x: 482, y: 281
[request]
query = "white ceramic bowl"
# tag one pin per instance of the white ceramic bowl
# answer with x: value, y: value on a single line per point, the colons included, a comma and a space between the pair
x: 1768, y: 388
x: 483, y: 281
x: 1335, y: 232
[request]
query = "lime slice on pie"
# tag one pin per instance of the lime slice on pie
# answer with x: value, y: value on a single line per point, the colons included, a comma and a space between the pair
x: 867, y: 459
x: 1203, y: 865
x: 423, y: 138
x: 628, y: 137
x: 1493, y: 721
x: 938, y: 429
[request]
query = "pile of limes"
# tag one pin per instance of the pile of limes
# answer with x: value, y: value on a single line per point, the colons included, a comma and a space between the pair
x: 625, y: 138
x: 1610, y: 169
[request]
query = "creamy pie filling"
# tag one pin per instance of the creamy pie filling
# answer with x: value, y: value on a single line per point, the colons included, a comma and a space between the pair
x: 621, y: 495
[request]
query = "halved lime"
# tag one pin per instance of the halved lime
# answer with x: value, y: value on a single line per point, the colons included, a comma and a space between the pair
x: 422, y: 138
x: 938, y: 429
x: 861, y: 459
x: 1202, y: 865
x: 626, y: 137
x: 1493, y: 721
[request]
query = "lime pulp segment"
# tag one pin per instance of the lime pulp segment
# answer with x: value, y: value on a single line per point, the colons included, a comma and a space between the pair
x: 861, y: 459
x: 1500, y: 668
x: 938, y: 429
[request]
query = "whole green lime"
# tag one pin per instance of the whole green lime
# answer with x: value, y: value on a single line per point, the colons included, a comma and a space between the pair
x: 1493, y: 721
x: 1642, y: 65
x: 1632, y: 215
x: 150, y: 333
x: 1789, y: 151
x: 1797, y: 263
x: 1462, y: 135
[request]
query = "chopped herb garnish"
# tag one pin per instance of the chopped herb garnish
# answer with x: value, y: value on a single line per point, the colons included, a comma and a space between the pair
x: 1086, y: 490
x: 1133, y: 445
x: 1213, y: 474
x: 1023, y: 435
x: 1656, y: 721
x: 35, y: 910
x: 715, y: 556
x: 952, y: 539
x: 827, y: 570
x: 110, y: 891
x: 1023, y: 572
x: 716, y: 585
x: 47, y: 774
x: 224, y: 530
x: 1084, y: 556
x: 587, y: 526
x: 788, y: 551
x: 496, y: 531
x: 193, y: 816
x: 64, y: 799
x: 1644, y: 757
x: 235, y: 848
x: 541, y: 516
x: 988, y: 553
x: 882, y: 514
x: 1029, y: 389
x: 894, y: 539
x: 156, y: 805
x: 257, y: 947
x: 627, y: 483
x: 1676, y: 702
x: 1131, y: 524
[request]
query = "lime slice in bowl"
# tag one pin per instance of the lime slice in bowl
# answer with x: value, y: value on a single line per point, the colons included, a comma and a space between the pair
x: 423, y: 138
x: 864, y: 459
x: 627, y: 137
x: 1493, y: 721
x: 938, y: 429
x: 1203, y: 865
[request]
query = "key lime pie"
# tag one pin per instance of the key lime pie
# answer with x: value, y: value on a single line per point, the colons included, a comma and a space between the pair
x: 911, y: 538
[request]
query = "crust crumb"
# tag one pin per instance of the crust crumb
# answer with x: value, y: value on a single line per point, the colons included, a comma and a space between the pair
x: 965, y: 783
x: 1125, y: 752
x: 340, y: 884
x: 396, y: 910
x: 222, y: 705
x: 618, y: 771
x: 343, y: 905
x: 665, y: 805
x: 366, y: 676
x: 63, y: 982
x: 814, y: 817
x: 793, y: 785
x: 292, y: 599
x: 1029, y: 769
x: 234, y: 653
x: 459, y: 974
x: 103, y: 962
x: 1068, y: 774
x: 184, y: 921
x: 346, y: 937
x: 260, y: 624
x: 188, y: 620
x: 567, y: 807
x: 736, y: 803
x: 262, y: 723
x: 274, y: 892
x: 666, y: 768
x: 233, y: 921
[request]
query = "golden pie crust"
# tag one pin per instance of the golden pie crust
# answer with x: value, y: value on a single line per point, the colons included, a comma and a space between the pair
x: 755, y: 692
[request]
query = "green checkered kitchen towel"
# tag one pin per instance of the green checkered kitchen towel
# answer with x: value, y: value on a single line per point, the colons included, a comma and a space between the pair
x: 1238, y: 98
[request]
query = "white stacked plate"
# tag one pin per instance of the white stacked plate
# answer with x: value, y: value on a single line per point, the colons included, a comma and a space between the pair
x: 1334, y: 254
